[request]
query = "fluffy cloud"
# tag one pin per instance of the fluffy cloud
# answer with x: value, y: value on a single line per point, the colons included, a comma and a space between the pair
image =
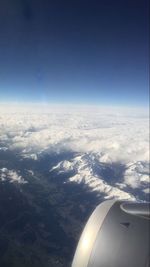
x: 117, y: 135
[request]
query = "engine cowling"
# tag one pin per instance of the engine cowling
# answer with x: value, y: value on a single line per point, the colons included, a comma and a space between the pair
x: 116, y: 235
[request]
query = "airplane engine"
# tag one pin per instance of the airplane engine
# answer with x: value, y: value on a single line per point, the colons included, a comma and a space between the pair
x: 117, y: 234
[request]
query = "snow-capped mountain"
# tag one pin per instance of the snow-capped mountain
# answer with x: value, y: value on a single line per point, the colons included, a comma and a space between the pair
x: 97, y: 176
x: 11, y: 176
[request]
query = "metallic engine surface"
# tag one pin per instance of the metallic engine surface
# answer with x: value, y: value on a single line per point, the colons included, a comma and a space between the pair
x: 116, y: 235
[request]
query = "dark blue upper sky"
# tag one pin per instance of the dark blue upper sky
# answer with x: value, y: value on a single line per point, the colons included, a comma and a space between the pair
x: 74, y: 51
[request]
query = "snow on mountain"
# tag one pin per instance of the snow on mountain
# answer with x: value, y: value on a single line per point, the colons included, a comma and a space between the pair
x: 137, y: 174
x: 11, y: 175
x: 84, y: 173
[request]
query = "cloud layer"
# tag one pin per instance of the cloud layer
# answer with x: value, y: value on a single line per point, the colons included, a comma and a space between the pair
x: 117, y: 135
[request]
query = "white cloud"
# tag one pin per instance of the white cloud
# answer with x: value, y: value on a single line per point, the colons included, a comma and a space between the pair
x: 117, y: 135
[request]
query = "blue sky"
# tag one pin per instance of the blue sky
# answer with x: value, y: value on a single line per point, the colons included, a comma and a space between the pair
x: 74, y: 52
